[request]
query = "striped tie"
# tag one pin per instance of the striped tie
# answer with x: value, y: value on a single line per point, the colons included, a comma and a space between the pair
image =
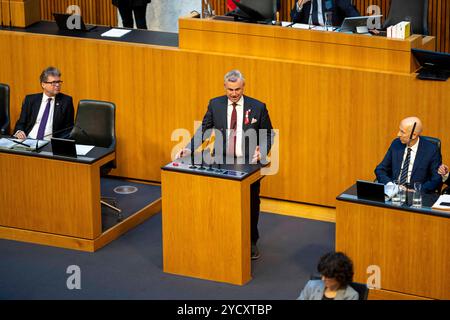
x: 404, y: 174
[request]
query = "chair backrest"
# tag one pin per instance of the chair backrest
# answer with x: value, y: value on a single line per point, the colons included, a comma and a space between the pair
x: 362, y: 290
x: 95, y: 124
x: 4, y: 109
x: 415, y: 11
x: 436, y: 141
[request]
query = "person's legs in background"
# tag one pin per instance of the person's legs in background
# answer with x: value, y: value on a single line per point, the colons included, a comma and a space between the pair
x: 140, y: 14
x: 254, y: 209
x: 126, y: 13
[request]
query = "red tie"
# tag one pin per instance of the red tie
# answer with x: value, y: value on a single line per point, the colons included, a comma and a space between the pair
x: 232, y: 137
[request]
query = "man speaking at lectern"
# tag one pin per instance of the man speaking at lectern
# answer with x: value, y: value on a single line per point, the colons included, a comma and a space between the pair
x: 46, y: 112
x: 236, y: 115
x: 411, y: 159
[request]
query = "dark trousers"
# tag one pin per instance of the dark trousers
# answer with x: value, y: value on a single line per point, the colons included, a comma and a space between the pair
x: 254, y: 210
x: 126, y: 12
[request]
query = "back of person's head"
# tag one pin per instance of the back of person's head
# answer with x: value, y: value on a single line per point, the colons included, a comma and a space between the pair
x: 336, y: 265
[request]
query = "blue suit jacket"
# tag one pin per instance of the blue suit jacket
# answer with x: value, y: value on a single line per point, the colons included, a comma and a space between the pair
x: 426, y: 164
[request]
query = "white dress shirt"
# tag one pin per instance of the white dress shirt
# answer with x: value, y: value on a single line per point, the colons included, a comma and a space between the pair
x: 240, y: 119
x: 414, y: 149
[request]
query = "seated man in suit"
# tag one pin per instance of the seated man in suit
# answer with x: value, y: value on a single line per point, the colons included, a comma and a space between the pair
x: 46, y: 112
x: 411, y: 160
x: 235, y: 116
x: 313, y: 11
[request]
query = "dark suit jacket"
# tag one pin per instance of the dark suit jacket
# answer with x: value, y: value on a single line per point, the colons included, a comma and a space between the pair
x: 216, y: 117
x: 341, y: 9
x: 426, y: 164
x: 62, y: 117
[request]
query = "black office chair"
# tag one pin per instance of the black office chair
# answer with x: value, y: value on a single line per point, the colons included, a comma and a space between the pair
x: 361, y: 288
x: 436, y: 141
x: 4, y: 109
x: 415, y: 11
x: 95, y: 125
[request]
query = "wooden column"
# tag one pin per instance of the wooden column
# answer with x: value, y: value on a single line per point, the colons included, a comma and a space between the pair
x: 19, y: 13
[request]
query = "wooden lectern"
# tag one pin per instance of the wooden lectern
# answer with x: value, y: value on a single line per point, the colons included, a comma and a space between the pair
x: 20, y: 13
x: 206, y: 222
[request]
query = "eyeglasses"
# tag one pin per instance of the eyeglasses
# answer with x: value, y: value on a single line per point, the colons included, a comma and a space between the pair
x: 54, y: 83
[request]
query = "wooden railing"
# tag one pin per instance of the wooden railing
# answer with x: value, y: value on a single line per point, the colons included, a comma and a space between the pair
x: 438, y: 17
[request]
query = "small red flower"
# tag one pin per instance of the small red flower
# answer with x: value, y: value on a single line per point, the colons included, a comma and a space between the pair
x: 246, y: 121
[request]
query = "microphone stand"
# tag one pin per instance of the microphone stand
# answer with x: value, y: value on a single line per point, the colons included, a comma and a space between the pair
x: 192, y: 155
x: 201, y: 152
x: 85, y: 134
x: 310, y: 16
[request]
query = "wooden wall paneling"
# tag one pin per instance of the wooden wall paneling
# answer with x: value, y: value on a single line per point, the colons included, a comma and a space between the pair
x: 99, y: 12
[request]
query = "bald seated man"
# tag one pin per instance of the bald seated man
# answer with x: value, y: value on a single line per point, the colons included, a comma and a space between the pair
x: 411, y: 160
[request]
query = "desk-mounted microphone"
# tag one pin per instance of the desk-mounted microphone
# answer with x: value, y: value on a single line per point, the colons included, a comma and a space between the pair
x: 50, y: 134
x: 407, y: 145
x: 91, y: 141
x: 412, y: 133
x: 310, y: 26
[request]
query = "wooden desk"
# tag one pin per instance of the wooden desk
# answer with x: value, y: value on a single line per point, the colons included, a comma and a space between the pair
x: 206, y: 226
x: 410, y: 246
x: 56, y: 202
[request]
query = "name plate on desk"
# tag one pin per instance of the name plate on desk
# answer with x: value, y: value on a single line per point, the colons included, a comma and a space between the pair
x: 206, y: 170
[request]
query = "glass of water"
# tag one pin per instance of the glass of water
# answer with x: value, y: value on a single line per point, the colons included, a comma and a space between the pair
x: 328, y: 21
x: 402, y: 190
x: 396, y: 197
x: 417, y: 196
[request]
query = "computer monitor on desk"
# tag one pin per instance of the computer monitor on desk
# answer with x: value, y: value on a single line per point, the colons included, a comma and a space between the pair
x: 434, y: 65
x: 358, y: 24
x: 258, y: 11
x: 61, y: 20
